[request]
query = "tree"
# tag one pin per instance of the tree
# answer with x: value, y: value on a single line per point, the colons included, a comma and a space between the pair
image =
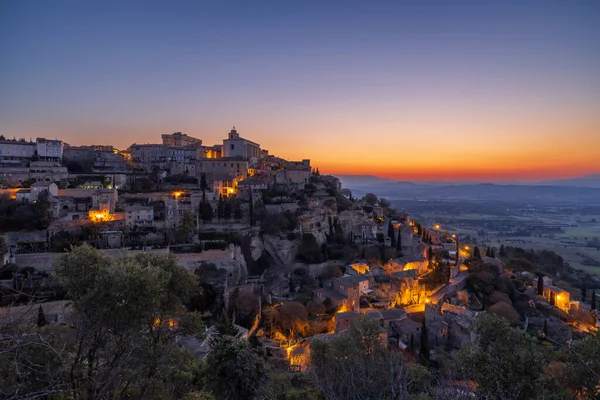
x: 424, y: 349
x: 492, y: 254
x: 123, y: 313
x: 384, y: 203
x: 540, y: 285
x: 487, y: 252
x: 545, y: 328
x: 506, y: 363
x: 220, y: 212
x: 505, y: 310
x: 251, y: 209
x: 203, y: 184
x: 41, y: 319
x: 476, y: 253
x: 399, y: 243
x: 583, y: 292
x: 392, y: 234
x: 186, y: 228
x: 347, y: 193
x: 231, y: 370
x: 502, y: 251
x: 593, y: 300
x: 371, y: 199
x: 357, y: 365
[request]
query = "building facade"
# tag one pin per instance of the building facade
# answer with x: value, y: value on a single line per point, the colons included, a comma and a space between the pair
x: 236, y: 146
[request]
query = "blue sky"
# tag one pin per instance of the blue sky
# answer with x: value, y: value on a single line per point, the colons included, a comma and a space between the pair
x: 302, y: 77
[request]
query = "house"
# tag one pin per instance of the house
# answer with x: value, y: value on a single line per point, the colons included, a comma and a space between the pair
x: 332, y: 298
x: 392, y: 317
x: 139, y: 215
x: 409, y: 333
x: 461, y: 323
x: 343, y: 320
x: 42, y: 187
x: 350, y: 287
x: 560, y: 298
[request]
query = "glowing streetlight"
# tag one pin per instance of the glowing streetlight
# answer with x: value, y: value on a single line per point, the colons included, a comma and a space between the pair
x: 436, y: 226
x: 454, y: 236
x: 466, y: 247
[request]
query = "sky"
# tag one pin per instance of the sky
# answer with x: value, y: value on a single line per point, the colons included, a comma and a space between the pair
x: 418, y: 90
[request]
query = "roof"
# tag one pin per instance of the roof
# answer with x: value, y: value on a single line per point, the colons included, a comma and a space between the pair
x: 394, y: 313
x: 333, y: 295
x: 407, y: 325
x: 42, y: 184
x: 324, y: 337
x: 347, y: 280
x: 346, y: 315
x: 409, y: 259
x: 436, y: 325
x: 411, y: 273
x: 374, y: 314
x: 556, y: 289
x: 458, y: 310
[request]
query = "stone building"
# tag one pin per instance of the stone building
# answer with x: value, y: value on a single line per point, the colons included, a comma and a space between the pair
x: 237, y: 146
x: 179, y: 139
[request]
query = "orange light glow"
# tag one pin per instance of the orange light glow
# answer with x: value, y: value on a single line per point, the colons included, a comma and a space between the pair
x: 177, y: 194
x: 427, y: 301
x: 453, y: 236
x: 436, y: 226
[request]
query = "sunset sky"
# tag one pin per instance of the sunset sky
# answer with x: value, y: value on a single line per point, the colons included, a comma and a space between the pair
x: 422, y: 90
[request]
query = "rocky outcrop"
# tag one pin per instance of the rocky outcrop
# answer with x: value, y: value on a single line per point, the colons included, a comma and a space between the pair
x: 282, y: 250
x: 256, y: 247
x: 353, y: 221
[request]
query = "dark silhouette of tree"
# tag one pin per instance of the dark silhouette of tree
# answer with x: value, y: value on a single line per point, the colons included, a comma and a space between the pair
x: 430, y: 254
x: 237, y: 211
x: 492, y: 254
x: 487, y: 252
x: 399, y: 244
x: 220, y: 212
x: 476, y: 253
x: 2, y: 137
x: 593, y: 300
x: 540, y: 285
x: 545, y: 328
x: 502, y: 251
x: 391, y: 234
x: 251, y: 209
x: 424, y: 350
x: 227, y: 208
x: 203, y: 181
x: 41, y: 319
x: 371, y: 199
x: 583, y: 292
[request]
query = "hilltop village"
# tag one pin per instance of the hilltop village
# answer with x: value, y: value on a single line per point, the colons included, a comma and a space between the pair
x: 285, y: 258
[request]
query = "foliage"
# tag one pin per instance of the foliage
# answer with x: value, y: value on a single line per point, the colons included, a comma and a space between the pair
x: 15, y: 216
x: 184, y: 232
x: 126, y: 312
x: 371, y: 199
x: 231, y: 370
x: 357, y: 365
x: 287, y: 386
x: 310, y: 251
x: 505, y: 364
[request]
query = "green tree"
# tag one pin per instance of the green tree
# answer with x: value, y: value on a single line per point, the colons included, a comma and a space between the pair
x: 41, y: 318
x: 186, y: 228
x: 357, y: 365
x: 506, y: 363
x: 391, y: 234
x: 424, y: 349
x: 476, y: 253
x: 371, y: 199
x: 231, y: 370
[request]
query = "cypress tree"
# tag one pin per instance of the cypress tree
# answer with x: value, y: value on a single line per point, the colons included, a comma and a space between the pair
x: 583, y: 292
x: 545, y: 328
x: 593, y: 300
x: 220, y: 208
x: 203, y: 181
x: 251, y: 210
x: 391, y: 234
x: 502, y: 251
x: 487, y: 252
x: 492, y: 254
x: 424, y: 350
x: 399, y: 244
x: 476, y: 253
x: 540, y: 286
x: 41, y: 319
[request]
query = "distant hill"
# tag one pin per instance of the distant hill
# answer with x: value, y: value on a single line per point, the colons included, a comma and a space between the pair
x: 584, y: 181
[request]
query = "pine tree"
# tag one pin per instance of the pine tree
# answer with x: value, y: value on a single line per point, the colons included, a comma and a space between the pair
x: 203, y: 181
x: 502, y: 251
x: 220, y: 208
x: 424, y: 350
x: 545, y: 328
x: 392, y: 235
x: 399, y: 244
x: 540, y: 286
x: 487, y: 252
x: 583, y: 292
x: 251, y: 209
x: 476, y: 253
x: 419, y: 230
x: 41, y: 319
x: 593, y: 300
x: 492, y: 254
